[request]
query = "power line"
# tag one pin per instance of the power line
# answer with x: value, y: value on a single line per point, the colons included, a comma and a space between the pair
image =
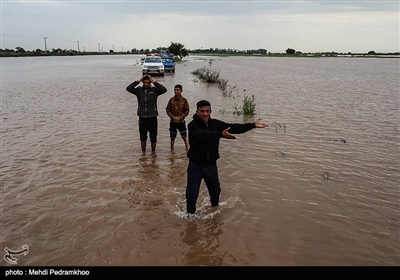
x: 55, y: 40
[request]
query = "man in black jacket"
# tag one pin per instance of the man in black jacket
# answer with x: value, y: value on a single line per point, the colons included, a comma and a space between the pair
x: 204, y: 136
x: 147, y: 108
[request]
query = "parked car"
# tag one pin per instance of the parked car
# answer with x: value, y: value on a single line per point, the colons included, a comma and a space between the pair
x: 169, y: 63
x: 153, y: 64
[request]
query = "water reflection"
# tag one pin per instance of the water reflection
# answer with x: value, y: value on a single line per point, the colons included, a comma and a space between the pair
x: 143, y: 194
x: 331, y: 153
x: 148, y: 166
x: 203, y: 242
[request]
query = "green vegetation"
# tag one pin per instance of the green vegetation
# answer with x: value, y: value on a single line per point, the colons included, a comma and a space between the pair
x: 289, y: 52
x: 249, y: 106
x: 210, y: 75
x: 179, y: 51
x: 38, y: 52
x: 207, y: 75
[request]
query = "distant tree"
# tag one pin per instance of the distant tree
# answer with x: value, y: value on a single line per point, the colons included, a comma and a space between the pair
x: 177, y: 49
x: 184, y: 52
x: 20, y: 50
x: 58, y: 50
x: 290, y: 51
x: 371, y: 52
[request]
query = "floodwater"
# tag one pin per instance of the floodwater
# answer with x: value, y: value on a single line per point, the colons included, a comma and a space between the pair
x: 318, y: 187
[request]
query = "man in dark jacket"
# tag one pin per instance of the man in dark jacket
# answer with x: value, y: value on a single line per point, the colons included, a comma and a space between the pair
x: 147, y: 108
x: 204, y: 136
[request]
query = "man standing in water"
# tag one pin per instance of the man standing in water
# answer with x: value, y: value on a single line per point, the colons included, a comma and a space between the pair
x: 147, y: 108
x: 177, y: 110
x: 204, y: 136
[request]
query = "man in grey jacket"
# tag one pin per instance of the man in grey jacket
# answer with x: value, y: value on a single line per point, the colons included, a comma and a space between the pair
x: 147, y: 108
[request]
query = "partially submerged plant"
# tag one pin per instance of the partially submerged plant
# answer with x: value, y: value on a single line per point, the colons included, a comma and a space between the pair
x: 209, y: 75
x: 249, y: 106
x: 278, y: 126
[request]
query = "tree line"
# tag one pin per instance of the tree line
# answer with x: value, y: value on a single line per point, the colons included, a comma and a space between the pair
x: 178, y: 50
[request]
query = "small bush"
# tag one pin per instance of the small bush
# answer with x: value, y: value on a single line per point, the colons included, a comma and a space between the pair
x: 249, y: 106
x: 209, y: 75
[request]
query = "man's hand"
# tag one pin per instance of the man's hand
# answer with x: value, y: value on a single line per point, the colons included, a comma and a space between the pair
x: 226, y: 134
x: 176, y: 119
x: 151, y: 79
x: 259, y: 124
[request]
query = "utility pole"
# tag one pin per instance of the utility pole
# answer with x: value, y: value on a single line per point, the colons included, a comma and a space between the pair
x: 99, y: 46
x: 113, y: 48
x: 78, y: 45
x: 45, y: 45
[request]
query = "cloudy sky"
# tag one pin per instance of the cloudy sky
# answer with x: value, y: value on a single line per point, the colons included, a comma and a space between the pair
x: 307, y: 26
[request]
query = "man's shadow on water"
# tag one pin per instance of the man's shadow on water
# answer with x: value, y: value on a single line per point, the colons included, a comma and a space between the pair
x: 202, y: 238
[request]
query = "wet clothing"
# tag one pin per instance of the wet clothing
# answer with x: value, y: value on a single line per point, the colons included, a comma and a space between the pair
x: 196, y: 173
x: 147, y: 108
x: 203, y: 155
x: 177, y: 106
x: 175, y: 127
x: 148, y: 125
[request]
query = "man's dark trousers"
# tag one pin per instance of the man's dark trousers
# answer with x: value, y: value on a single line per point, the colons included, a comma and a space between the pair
x: 195, y: 173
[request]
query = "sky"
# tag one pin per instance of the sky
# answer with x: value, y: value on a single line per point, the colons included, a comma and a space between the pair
x: 306, y: 26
